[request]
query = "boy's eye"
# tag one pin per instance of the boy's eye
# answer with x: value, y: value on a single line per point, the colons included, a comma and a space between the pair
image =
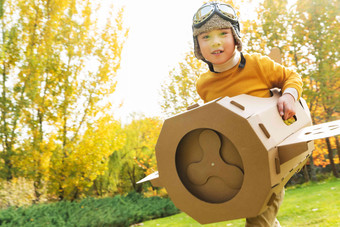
x: 205, y: 37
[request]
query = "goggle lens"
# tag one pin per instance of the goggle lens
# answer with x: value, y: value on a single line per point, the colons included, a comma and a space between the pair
x: 205, y: 11
x: 227, y: 11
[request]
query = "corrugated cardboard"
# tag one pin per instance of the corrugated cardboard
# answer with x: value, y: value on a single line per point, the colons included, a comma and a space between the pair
x: 275, y: 54
x: 229, y: 158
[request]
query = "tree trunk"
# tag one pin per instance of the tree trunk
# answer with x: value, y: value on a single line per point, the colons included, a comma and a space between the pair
x: 61, y: 193
x: 330, y: 156
x: 312, y: 168
x: 37, y: 188
x: 306, y: 174
x: 337, y: 147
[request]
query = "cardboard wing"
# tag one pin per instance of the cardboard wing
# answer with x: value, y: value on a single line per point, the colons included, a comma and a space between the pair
x: 299, y: 138
x: 229, y: 158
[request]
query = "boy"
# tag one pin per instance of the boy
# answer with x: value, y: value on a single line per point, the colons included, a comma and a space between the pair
x: 216, y: 34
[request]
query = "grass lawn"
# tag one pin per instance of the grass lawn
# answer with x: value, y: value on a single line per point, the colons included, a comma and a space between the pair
x: 312, y: 204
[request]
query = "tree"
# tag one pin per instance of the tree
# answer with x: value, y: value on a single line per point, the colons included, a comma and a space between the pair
x: 76, y: 173
x: 11, y: 101
x: 58, y: 68
x: 316, y: 29
x: 179, y: 91
x: 137, y: 158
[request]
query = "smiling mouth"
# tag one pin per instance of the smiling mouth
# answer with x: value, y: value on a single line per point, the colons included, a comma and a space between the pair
x: 217, y: 52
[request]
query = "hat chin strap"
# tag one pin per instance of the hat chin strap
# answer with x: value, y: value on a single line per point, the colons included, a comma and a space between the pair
x: 242, y: 62
x: 211, y: 67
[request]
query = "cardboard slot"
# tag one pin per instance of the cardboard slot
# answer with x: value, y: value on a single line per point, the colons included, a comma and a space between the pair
x: 321, y: 130
x: 193, y: 106
x: 275, y: 185
x: 264, y: 130
x: 277, y: 165
x: 301, y: 103
x: 237, y: 105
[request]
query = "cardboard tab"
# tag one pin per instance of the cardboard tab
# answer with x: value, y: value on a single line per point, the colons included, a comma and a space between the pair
x: 275, y: 54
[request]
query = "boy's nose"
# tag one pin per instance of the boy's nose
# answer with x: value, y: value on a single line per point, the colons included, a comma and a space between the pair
x: 216, y: 42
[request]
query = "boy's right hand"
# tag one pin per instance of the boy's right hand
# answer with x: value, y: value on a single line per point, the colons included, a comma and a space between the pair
x: 286, y: 106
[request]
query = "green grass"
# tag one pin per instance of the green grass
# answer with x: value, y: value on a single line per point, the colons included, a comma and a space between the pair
x: 312, y: 204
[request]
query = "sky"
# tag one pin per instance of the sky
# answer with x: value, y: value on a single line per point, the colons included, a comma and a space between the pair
x: 160, y: 35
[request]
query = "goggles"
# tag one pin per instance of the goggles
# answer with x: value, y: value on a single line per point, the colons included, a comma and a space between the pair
x: 204, y: 13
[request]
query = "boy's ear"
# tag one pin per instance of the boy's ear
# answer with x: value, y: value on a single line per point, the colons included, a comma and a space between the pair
x: 275, y: 55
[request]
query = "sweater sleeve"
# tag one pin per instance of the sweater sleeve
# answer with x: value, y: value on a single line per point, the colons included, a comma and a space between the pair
x: 280, y: 76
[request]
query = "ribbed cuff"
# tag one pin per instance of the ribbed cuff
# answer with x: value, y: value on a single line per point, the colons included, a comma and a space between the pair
x: 292, y: 91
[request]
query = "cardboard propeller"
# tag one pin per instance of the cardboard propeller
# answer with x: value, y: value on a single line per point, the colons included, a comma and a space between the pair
x: 229, y: 158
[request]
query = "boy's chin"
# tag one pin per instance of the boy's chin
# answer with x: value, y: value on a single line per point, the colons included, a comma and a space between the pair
x: 217, y: 63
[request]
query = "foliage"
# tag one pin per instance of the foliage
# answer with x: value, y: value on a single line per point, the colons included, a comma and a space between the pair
x: 179, y: 91
x: 137, y: 158
x: 89, y: 159
x: 315, y: 27
x: 321, y: 157
x: 117, y: 211
x: 57, y: 67
x: 128, y: 156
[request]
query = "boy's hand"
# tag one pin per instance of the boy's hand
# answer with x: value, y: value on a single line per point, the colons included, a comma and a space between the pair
x: 285, y: 106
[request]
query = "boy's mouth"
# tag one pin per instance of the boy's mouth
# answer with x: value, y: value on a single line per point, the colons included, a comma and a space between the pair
x: 217, y: 52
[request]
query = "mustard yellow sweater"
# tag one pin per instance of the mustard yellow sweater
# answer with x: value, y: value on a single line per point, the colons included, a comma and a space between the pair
x: 259, y: 75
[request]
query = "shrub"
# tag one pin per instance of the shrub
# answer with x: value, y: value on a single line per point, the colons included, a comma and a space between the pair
x: 116, y: 211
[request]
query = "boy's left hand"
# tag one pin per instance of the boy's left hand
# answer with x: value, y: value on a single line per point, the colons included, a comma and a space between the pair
x: 286, y: 106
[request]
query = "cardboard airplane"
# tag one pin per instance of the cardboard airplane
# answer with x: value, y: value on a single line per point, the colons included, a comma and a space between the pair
x: 229, y: 158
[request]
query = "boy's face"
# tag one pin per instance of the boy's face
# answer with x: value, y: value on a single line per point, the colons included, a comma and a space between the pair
x: 217, y: 46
